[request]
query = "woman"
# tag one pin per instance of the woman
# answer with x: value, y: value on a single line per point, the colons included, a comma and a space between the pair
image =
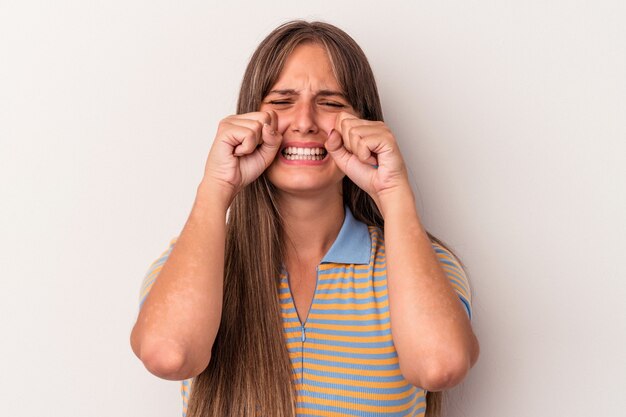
x: 299, y: 301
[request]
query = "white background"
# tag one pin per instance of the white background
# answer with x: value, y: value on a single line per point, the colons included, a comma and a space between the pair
x: 511, y: 115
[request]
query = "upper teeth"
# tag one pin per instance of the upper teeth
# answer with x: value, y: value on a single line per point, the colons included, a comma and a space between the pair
x: 292, y: 150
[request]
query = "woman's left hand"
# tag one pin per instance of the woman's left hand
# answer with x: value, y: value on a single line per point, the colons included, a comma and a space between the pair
x: 367, y: 152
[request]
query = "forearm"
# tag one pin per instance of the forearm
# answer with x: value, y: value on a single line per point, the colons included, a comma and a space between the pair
x: 179, y: 319
x: 430, y: 328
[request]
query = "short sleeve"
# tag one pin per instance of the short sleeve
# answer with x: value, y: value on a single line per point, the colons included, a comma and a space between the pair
x: 456, y: 275
x: 185, y: 390
x: 153, y: 272
x: 146, y: 286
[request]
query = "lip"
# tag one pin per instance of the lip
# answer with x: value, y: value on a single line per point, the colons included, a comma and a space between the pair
x: 302, y: 161
x: 301, y: 145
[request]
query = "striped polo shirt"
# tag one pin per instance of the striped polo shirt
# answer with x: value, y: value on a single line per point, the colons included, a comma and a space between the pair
x: 343, y: 357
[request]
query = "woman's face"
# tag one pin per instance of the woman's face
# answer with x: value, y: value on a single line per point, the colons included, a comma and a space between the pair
x: 307, y: 99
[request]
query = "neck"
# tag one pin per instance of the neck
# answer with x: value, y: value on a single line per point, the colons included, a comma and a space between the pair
x: 311, y: 225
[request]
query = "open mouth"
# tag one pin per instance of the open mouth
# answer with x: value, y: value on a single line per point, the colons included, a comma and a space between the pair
x: 292, y: 153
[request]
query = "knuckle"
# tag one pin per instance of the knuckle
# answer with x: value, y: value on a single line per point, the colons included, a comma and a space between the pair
x: 223, y: 126
x: 249, y: 133
x: 259, y: 116
x: 345, y: 123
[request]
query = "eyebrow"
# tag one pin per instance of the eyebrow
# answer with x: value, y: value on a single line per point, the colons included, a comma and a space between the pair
x: 321, y: 93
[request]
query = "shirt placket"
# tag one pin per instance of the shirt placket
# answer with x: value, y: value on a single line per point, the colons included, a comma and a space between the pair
x: 303, y: 327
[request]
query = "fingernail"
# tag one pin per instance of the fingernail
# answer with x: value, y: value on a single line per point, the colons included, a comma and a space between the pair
x: 271, y: 131
x: 331, y: 132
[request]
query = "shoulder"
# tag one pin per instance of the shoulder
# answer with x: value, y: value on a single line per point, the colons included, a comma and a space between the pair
x: 377, y: 239
x: 376, y: 233
x: 455, y: 273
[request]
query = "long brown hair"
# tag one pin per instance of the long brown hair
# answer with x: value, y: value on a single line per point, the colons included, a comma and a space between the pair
x: 250, y: 371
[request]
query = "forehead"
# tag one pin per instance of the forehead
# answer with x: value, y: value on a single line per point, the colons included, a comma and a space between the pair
x: 308, y: 66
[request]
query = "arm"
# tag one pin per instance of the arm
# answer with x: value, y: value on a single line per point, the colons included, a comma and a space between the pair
x: 430, y: 328
x: 180, y: 317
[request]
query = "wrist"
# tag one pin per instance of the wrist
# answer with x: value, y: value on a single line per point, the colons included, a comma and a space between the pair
x: 398, y: 201
x: 215, y: 195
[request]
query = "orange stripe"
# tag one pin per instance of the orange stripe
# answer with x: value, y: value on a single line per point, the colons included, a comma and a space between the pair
x: 351, y: 295
x: 350, y: 285
x: 327, y: 267
x: 354, y: 361
x: 356, y: 406
x: 353, y: 339
x: 350, y: 328
x: 357, y: 384
x: 357, y: 372
x: 357, y: 395
x: 310, y: 343
x: 343, y: 307
x: 326, y: 277
x: 348, y: 317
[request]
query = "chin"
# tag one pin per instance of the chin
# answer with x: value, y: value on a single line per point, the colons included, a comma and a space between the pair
x: 308, y: 189
x: 305, y: 180
x: 303, y: 184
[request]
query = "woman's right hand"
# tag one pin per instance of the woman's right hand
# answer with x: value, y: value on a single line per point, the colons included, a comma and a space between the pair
x: 244, y: 146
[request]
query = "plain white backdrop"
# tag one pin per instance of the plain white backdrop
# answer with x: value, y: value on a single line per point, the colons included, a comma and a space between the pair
x: 511, y: 116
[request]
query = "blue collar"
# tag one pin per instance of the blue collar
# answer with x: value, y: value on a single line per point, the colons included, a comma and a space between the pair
x: 353, y: 244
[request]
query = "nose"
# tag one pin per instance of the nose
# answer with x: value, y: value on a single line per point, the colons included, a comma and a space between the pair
x: 304, y: 119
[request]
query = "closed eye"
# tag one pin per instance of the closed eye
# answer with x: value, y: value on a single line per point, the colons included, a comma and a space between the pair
x: 333, y: 104
x: 279, y: 102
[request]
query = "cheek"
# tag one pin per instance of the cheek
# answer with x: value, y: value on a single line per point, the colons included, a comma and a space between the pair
x: 327, y: 122
x: 283, y: 123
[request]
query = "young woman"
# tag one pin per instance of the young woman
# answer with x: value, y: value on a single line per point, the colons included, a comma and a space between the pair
x: 303, y: 282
